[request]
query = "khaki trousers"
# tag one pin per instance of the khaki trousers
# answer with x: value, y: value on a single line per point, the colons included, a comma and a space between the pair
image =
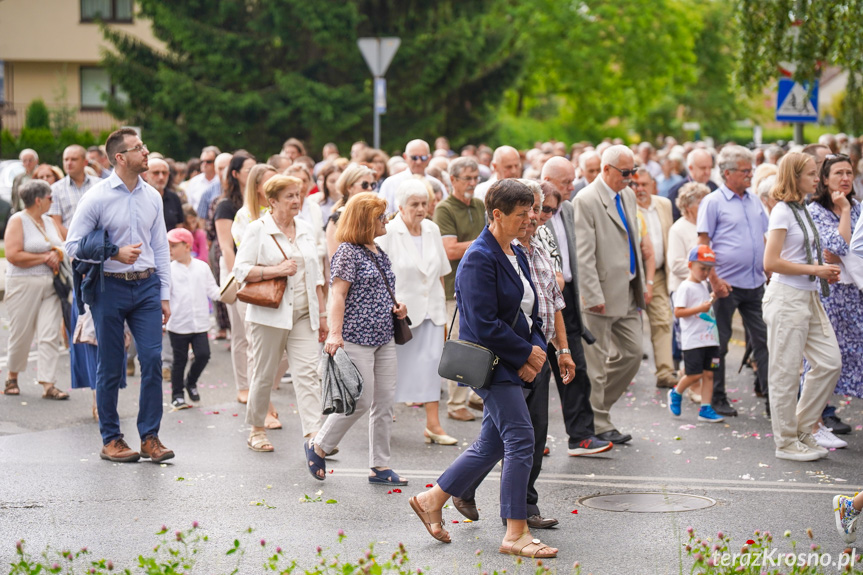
x: 659, y: 316
x: 34, y: 309
x: 378, y: 366
x: 268, y: 344
x: 798, y: 328
x: 241, y: 358
x: 609, y: 374
x: 459, y: 395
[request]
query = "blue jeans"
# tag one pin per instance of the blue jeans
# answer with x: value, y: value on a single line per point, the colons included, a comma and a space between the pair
x: 137, y: 303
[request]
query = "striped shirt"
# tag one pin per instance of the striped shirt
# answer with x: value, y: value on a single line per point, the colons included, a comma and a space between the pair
x: 548, y: 295
x: 66, y: 194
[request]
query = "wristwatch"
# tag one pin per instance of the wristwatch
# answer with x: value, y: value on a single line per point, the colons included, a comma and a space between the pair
x: 564, y: 351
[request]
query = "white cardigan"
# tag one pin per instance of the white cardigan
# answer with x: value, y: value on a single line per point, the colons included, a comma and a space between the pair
x: 418, y: 279
x: 258, y: 248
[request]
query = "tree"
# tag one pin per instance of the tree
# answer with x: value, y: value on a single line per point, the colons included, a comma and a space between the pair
x: 808, y: 35
x: 243, y: 74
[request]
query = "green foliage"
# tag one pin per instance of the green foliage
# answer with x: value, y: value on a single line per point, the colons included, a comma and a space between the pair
x: 42, y: 140
x: 49, y: 147
x: 37, y: 115
x: 8, y: 145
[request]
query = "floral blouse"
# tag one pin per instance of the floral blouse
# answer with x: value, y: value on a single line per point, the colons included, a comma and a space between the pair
x: 368, y: 306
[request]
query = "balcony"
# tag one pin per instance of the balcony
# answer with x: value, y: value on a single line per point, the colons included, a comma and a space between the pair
x: 12, y: 118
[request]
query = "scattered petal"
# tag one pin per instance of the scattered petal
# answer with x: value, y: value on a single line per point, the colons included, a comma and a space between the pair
x: 454, y: 521
x: 429, y: 485
x: 750, y: 542
x: 575, y: 511
x: 397, y: 490
x: 711, y: 457
x: 677, y: 451
x: 763, y: 465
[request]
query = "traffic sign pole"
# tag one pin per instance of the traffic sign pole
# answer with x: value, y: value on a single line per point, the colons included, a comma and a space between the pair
x: 378, y: 53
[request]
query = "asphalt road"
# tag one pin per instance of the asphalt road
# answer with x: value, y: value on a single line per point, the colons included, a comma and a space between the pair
x: 54, y: 489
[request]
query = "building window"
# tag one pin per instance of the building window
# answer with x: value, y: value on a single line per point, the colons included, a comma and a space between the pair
x: 107, y: 10
x: 96, y: 86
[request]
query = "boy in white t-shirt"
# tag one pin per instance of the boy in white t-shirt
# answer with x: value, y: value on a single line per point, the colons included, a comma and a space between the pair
x: 693, y: 304
x: 192, y: 283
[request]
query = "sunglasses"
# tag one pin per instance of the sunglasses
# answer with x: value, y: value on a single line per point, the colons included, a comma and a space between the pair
x: 369, y: 185
x: 383, y: 218
x: 419, y: 158
x: 837, y: 157
x: 207, y: 161
x: 625, y: 173
x: 549, y: 210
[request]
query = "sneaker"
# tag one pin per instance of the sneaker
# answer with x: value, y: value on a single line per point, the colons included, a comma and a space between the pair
x: 846, y: 517
x: 179, y: 403
x: 797, y: 451
x: 836, y: 425
x: 193, y: 393
x: 692, y: 396
x: 825, y: 438
x: 707, y: 414
x: 589, y: 446
x: 674, y: 401
x: 287, y: 379
x: 809, y: 441
x: 722, y: 407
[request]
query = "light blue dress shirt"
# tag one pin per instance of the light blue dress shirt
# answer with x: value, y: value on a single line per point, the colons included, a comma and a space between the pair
x: 129, y: 218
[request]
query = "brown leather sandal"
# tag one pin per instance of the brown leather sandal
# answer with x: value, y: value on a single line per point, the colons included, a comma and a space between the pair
x: 12, y: 387
x: 428, y: 518
x: 527, y: 546
x: 54, y: 393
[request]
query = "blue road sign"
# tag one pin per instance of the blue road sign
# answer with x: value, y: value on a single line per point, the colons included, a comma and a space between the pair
x: 794, y: 102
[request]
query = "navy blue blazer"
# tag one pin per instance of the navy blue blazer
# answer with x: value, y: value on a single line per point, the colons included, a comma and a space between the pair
x: 488, y: 292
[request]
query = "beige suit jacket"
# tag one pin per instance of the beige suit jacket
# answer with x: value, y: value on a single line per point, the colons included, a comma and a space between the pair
x: 663, y: 210
x: 603, y: 250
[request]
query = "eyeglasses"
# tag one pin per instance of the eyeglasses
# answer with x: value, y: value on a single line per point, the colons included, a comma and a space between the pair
x: 549, y: 210
x: 382, y: 218
x: 369, y: 185
x: 625, y: 173
x: 420, y: 158
x: 745, y: 172
x: 49, y: 198
x: 138, y: 148
x: 208, y: 161
x: 635, y: 185
x: 466, y: 179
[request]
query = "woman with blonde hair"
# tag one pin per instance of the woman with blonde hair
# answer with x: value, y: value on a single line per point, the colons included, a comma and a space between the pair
x: 797, y: 326
x: 355, y: 179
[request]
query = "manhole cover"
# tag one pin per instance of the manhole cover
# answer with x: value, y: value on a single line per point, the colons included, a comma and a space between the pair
x: 648, y: 502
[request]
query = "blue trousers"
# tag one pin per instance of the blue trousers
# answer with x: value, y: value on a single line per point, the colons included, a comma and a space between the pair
x: 137, y: 303
x: 507, y: 433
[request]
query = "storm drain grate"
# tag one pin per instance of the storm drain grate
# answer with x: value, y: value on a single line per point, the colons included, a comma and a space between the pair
x: 647, y: 502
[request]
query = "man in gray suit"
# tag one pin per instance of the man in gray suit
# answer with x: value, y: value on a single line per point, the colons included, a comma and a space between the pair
x: 574, y: 397
x: 611, y: 283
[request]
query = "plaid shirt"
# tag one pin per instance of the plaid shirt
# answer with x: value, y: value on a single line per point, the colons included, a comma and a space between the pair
x: 548, y: 295
x: 66, y: 195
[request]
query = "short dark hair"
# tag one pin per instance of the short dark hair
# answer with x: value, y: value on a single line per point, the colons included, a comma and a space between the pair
x: 822, y: 192
x: 506, y: 195
x: 116, y: 141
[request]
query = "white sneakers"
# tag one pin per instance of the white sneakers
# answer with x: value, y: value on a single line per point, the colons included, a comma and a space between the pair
x: 799, y: 451
x: 825, y: 438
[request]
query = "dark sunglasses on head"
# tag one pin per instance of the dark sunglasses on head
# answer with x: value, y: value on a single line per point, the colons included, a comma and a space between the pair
x: 625, y: 173
x: 837, y: 157
x: 419, y: 158
x: 549, y: 210
x: 369, y: 185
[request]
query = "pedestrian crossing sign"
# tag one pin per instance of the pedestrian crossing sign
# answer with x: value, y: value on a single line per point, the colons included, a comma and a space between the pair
x: 795, y: 103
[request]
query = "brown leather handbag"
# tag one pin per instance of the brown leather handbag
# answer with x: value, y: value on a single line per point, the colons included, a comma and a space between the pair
x: 265, y: 293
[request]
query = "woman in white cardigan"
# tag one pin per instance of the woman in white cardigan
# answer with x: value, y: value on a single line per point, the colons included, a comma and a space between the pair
x: 419, y: 261
x: 279, y: 244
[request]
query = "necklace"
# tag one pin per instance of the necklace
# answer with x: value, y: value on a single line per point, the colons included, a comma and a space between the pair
x: 39, y: 226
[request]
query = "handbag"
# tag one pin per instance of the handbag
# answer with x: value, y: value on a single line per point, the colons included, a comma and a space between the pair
x: 466, y: 362
x: 265, y: 293
x: 401, y: 327
x: 228, y: 292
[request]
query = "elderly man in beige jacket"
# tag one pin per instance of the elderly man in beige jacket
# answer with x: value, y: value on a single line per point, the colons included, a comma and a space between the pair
x: 611, y: 283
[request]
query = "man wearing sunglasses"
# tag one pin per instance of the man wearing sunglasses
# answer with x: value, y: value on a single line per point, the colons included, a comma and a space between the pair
x: 611, y: 283
x: 417, y: 156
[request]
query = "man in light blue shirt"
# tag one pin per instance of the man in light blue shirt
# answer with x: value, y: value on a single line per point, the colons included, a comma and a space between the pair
x: 136, y: 291
x: 731, y: 220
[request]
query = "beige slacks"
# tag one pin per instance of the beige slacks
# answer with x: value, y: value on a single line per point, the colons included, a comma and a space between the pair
x: 660, y: 319
x: 269, y: 344
x: 798, y: 328
x: 378, y: 366
x: 609, y: 374
x: 34, y: 309
x: 241, y: 358
x: 459, y: 395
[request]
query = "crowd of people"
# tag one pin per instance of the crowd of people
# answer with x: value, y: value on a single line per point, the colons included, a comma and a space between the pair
x: 554, y: 258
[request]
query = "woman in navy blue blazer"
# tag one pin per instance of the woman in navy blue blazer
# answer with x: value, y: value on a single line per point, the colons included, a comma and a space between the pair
x: 493, y: 285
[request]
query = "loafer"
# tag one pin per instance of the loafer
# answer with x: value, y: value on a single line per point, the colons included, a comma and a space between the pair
x: 614, y: 436
x: 461, y: 414
x: 466, y: 507
x: 119, y: 452
x: 838, y: 426
x: 589, y: 446
x: 152, y: 449
x: 665, y: 383
x: 722, y: 407
x: 539, y: 522
x: 474, y: 404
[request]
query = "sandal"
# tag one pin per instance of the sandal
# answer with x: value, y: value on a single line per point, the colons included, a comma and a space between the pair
x: 386, y: 477
x: 12, y: 387
x: 54, y: 393
x: 272, y: 421
x: 258, y: 442
x: 527, y: 546
x: 243, y: 396
x: 315, y: 461
x: 428, y: 518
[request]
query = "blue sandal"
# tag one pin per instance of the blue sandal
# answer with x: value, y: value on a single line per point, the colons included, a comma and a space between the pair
x: 314, y: 461
x: 386, y: 477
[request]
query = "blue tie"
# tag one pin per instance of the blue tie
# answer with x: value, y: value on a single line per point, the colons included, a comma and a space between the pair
x: 628, y: 235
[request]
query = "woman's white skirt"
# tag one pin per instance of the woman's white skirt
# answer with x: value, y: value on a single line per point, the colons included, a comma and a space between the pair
x: 418, y: 359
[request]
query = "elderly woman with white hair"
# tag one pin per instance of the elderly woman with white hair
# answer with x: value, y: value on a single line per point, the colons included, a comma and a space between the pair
x: 415, y: 248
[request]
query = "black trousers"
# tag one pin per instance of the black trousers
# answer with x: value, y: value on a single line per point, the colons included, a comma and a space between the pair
x: 748, y: 303
x: 575, y: 396
x: 180, y: 343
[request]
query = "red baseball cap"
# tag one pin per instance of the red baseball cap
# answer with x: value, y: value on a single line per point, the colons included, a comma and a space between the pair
x: 703, y: 254
x: 181, y: 235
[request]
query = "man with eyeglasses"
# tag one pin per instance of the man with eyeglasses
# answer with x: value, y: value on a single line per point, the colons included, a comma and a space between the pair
x: 461, y: 218
x: 732, y: 221
x: 67, y: 193
x: 505, y: 163
x: 208, y: 177
x: 611, y: 283
x: 134, y: 288
x: 417, y: 156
